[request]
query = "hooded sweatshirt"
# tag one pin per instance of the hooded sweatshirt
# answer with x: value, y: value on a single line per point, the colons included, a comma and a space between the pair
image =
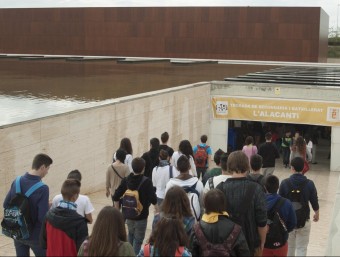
x: 309, y: 191
x: 63, y: 232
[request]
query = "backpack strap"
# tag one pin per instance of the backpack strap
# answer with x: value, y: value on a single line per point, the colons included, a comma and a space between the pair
x: 116, y: 171
x: 200, y: 236
x: 33, y: 188
x: 211, y: 182
x: 193, y: 208
x: 276, y: 207
x: 231, y: 239
x: 140, y: 184
x: 146, y: 250
x: 17, y: 185
x: 170, y: 172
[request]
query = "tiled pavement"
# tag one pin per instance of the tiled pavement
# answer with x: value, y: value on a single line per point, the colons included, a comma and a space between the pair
x: 325, y: 181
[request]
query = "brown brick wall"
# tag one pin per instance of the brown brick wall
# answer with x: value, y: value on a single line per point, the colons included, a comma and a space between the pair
x: 243, y: 33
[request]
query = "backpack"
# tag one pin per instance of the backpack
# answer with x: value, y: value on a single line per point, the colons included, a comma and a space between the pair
x: 170, y: 172
x: 201, y: 156
x: 211, y: 183
x: 300, y: 206
x: 17, y: 220
x: 193, y: 196
x: 131, y: 206
x: 222, y: 249
x: 258, y: 180
x: 277, y: 233
x: 147, y: 250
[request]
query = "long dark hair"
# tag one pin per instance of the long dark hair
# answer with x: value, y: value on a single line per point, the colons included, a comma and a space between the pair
x: 168, y: 235
x: 300, y: 145
x: 186, y: 148
x: 125, y: 144
x: 107, y: 232
x: 176, y: 203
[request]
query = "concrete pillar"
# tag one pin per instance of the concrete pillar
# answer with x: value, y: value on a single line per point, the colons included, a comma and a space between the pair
x: 219, y: 135
x: 335, y: 149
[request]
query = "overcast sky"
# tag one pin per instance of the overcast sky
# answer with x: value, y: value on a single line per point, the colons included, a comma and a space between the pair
x: 329, y: 6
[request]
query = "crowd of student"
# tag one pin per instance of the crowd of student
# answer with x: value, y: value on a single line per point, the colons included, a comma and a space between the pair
x: 237, y: 208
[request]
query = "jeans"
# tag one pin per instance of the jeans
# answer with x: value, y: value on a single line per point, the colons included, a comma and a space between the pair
x: 298, y: 240
x: 22, y: 248
x: 136, y: 233
x: 201, y: 171
x: 285, y: 153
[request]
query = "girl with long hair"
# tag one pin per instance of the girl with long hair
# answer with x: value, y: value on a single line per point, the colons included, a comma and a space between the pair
x: 167, y: 239
x: 184, y: 148
x: 176, y: 204
x: 126, y: 145
x: 108, y: 236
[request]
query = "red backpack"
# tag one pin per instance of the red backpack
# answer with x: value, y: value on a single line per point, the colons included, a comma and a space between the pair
x: 201, y: 156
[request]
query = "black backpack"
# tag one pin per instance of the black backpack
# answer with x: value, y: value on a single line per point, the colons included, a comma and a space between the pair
x: 277, y: 233
x: 17, y: 220
x: 222, y: 249
x: 300, y: 206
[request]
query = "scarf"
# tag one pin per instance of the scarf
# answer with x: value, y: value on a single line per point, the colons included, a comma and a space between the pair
x: 163, y: 163
x: 212, y: 217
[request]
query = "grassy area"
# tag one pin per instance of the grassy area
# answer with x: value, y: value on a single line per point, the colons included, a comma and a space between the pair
x: 333, y: 51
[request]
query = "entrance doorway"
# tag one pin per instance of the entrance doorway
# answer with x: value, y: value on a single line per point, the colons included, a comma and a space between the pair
x: 320, y: 136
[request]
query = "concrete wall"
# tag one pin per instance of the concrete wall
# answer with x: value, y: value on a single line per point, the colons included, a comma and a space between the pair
x: 86, y: 139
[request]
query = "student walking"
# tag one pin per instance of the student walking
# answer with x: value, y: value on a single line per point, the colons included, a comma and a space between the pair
x: 38, y: 204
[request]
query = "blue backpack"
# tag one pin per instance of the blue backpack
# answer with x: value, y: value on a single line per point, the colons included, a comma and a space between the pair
x: 17, y: 220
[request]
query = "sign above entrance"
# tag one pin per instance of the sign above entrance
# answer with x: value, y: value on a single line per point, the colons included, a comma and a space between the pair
x: 276, y: 110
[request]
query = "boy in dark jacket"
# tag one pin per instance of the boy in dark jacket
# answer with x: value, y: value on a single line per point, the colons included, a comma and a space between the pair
x: 147, y: 196
x: 64, y: 230
x: 286, y: 212
x: 216, y: 228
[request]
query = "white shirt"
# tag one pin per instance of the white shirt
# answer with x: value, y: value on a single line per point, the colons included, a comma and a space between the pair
x: 189, y: 182
x: 216, y: 181
x: 160, y: 177
x: 83, y: 203
x: 174, y: 160
x: 309, y: 148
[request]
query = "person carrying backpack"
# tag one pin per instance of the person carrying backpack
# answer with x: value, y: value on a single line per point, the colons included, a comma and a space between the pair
x: 136, y: 193
x: 37, y: 205
x: 216, y: 234
x: 255, y: 170
x: 246, y: 202
x: 191, y: 185
x: 300, y: 191
x: 202, y: 155
x: 281, y: 219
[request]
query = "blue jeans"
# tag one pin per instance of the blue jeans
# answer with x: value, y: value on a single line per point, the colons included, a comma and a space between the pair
x: 22, y: 248
x: 136, y: 233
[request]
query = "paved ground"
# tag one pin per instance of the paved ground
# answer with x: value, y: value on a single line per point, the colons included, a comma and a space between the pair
x: 325, y: 181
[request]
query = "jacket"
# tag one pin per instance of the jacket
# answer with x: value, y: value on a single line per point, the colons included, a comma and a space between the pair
x: 217, y: 233
x: 309, y: 191
x: 269, y: 153
x: 63, y: 232
x: 147, y: 194
x: 286, y: 211
x: 254, y: 214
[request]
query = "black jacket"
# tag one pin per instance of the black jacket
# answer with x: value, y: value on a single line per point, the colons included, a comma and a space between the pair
x: 60, y: 220
x: 269, y: 153
x: 147, y: 194
x: 217, y: 233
